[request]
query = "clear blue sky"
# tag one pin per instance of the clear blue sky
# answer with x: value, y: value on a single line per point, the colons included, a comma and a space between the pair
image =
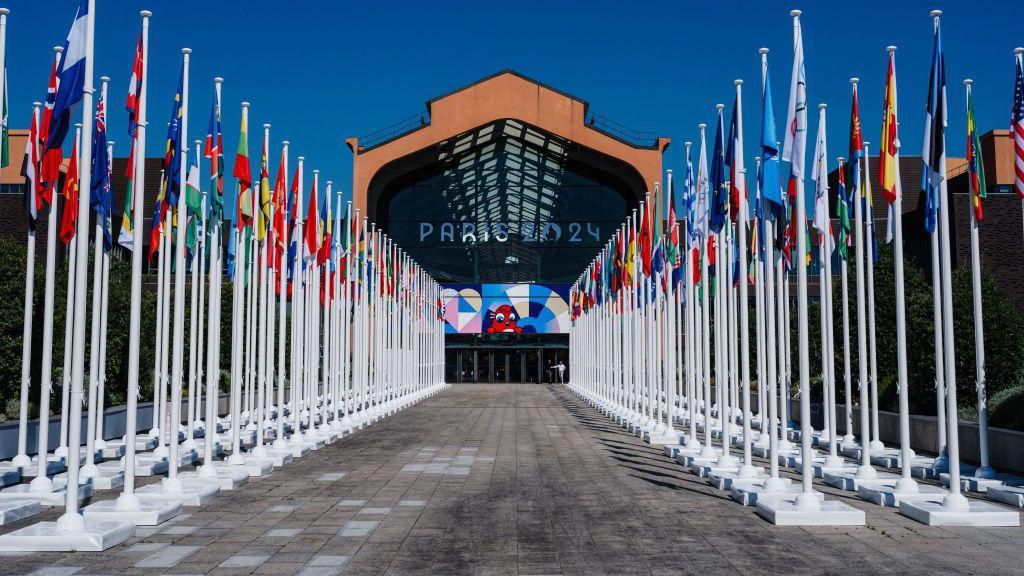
x: 322, y: 71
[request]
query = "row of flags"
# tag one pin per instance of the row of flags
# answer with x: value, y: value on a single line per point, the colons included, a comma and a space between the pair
x: 709, y: 195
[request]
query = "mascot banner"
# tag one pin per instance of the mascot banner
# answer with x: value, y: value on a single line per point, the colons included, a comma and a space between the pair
x: 506, y: 308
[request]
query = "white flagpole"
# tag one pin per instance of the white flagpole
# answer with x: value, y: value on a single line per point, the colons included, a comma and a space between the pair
x: 190, y: 419
x: 985, y: 470
x: 237, y: 310
x: 747, y: 470
x: 954, y: 500
x: 762, y: 368
x: 869, y: 266
x: 172, y: 483
x: 69, y: 313
x: 260, y: 451
x: 692, y: 443
x: 72, y: 520
x: 100, y: 443
x: 42, y: 482
x: 296, y: 380
x: 201, y: 319
x: 128, y: 501
x: 906, y: 483
x: 280, y: 442
x: 207, y: 470
x: 865, y: 471
x: 158, y: 336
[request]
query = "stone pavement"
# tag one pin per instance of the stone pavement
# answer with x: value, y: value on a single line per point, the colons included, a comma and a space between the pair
x: 512, y: 479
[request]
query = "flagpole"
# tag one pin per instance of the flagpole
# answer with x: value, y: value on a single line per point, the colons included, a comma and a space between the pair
x: 72, y: 520
x: 101, y: 443
x: 906, y: 483
x: 127, y: 500
x: 237, y: 310
x: 280, y: 442
x: 21, y: 459
x: 69, y: 313
x: 985, y: 470
x: 172, y: 483
x: 296, y: 379
x: 260, y: 451
x: 747, y: 470
x: 42, y: 483
x: 207, y: 470
x: 193, y: 309
x: 869, y: 266
x: 954, y: 500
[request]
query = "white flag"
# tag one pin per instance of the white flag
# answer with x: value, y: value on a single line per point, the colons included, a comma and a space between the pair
x: 796, y: 116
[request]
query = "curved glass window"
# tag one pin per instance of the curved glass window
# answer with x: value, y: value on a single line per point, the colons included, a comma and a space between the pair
x: 505, y: 203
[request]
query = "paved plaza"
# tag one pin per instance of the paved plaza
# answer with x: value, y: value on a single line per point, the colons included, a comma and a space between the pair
x: 512, y: 479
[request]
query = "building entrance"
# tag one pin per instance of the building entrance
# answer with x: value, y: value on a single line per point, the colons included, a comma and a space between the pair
x: 505, y: 358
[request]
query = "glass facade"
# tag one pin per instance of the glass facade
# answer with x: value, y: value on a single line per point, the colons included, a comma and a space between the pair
x: 505, y: 203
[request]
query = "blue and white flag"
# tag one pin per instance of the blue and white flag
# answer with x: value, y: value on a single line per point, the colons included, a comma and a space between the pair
x: 71, y: 75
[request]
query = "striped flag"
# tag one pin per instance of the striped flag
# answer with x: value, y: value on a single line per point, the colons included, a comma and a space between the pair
x: 1017, y: 127
x: 126, y: 237
x: 134, y: 89
x: 890, y: 135
x: 30, y: 171
x: 242, y: 173
x: 975, y: 165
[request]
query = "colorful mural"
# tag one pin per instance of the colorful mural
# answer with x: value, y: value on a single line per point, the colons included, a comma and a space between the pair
x: 506, y: 308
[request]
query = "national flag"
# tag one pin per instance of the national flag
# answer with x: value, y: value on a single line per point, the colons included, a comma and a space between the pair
x: 719, y: 180
x: 71, y: 81
x: 100, y: 197
x: 819, y: 174
x: 44, y: 195
x: 699, y: 214
x: 312, y: 232
x: 1017, y: 127
x: 771, y: 189
x: 241, y: 172
x: 214, y: 150
x: 326, y: 232
x: 5, y: 152
x: 159, y: 213
x: 265, y: 195
x: 629, y: 268
x: 135, y: 90
x: 843, y: 214
x: 793, y: 149
x: 30, y: 169
x: 672, y: 250
x: 645, y: 238
x: 69, y: 217
x: 890, y: 136
x: 737, y: 185
x: 172, y: 152
x: 126, y: 237
x: 933, y: 151
x: 975, y: 165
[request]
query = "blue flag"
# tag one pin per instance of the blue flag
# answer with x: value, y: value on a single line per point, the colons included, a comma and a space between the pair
x: 172, y: 155
x: 100, y: 197
x: 933, y: 152
x: 771, y: 189
x: 719, y: 180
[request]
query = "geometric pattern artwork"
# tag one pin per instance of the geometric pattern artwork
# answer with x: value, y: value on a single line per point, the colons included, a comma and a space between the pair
x: 506, y: 308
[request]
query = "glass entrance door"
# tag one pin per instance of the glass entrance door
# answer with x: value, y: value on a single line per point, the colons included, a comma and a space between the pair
x: 483, y: 366
x: 501, y: 366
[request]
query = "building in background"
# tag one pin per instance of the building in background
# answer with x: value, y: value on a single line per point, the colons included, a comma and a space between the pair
x: 504, y: 190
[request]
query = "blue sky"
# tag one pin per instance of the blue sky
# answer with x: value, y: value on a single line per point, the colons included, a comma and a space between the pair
x: 322, y: 71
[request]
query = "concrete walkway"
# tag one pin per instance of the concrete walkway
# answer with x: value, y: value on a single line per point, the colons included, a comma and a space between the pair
x: 512, y: 479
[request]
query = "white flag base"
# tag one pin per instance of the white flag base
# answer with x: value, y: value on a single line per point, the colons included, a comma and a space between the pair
x: 106, y: 478
x: 725, y: 480
x: 827, y: 513
x: 9, y: 475
x: 823, y: 467
x: 150, y: 513
x: 677, y: 450
x: 192, y: 493
x: 148, y: 465
x: 974, y: 483
x: 704, y: 457
x: 200, y: 450
x: 932, y: 471
x: 748, y: 492
x: 850, y: 482
x: 14, y: 510
x: 53, y: 466
x: 668, y: 437
x: 891, y: 496
x: 1012, y: 495
x: 977, y: 513
x: 47, y: 537
x: 114, y: 449
x: 55, y: 497
x: 706, y: 470
x: 226, y: 478
x: 253, y: 466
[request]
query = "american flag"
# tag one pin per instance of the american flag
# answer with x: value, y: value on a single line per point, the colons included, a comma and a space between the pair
x: 1017, y: 126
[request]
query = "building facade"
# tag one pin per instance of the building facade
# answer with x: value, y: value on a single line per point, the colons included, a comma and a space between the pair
x: 504, y: 190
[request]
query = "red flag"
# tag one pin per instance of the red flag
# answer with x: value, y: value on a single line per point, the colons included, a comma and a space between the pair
x: 312, y: 224
x: 69, y: 218
x: 49, y: 169
x: 645, y: 240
